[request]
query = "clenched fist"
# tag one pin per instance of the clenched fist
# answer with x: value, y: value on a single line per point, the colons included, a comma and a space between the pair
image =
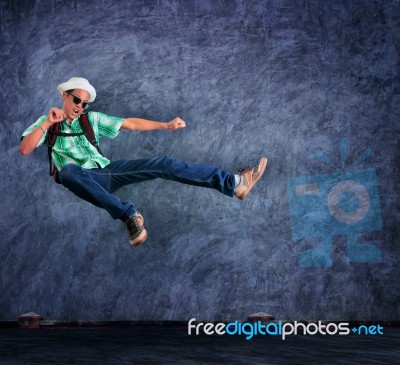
x: 56, y: 115
x: 176, y: 124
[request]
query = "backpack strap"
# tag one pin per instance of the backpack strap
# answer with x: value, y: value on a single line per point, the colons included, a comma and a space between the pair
x: 88, y: 131
x: 51, y: 137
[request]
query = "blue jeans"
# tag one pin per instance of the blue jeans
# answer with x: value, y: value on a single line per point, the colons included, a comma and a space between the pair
x: 98, y: 185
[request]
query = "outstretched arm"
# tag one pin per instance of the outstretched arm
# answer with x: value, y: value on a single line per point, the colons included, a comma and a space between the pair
x: 139, y: 124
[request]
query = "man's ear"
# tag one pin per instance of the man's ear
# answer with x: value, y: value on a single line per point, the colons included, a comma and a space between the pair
x: 64, y: 96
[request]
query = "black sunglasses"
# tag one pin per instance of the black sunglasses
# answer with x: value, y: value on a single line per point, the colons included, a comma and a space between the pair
x: 77, y: 101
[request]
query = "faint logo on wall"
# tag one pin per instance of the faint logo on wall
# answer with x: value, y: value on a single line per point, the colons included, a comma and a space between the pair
x: 344, y: 202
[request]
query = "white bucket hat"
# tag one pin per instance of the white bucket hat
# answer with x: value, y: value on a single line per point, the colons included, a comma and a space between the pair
x: 78, y: 83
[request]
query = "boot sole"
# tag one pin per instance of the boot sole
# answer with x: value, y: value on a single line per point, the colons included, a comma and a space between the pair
x: 263, y: 162
x: 139, y: 240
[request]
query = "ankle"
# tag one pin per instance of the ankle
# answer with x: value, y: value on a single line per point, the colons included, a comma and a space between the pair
x: 238, y: 180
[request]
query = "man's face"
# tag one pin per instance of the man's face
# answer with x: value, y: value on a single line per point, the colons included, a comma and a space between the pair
x: 74, y: 102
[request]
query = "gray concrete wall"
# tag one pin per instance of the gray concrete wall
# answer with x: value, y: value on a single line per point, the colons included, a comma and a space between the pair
x: 314, y: 85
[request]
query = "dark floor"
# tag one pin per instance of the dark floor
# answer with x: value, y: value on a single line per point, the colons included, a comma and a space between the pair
x: 157, y: 345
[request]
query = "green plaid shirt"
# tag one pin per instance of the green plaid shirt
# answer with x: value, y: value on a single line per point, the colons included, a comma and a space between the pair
x: 78, y: 150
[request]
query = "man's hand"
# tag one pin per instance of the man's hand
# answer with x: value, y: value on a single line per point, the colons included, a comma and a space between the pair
x: 55, y: 115
x: 176, y: 124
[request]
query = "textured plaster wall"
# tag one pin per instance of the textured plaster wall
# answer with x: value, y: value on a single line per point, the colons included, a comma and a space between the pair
x: 314, y: 85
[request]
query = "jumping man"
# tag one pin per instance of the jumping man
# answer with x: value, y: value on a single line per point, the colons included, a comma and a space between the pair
x: 80, y: 166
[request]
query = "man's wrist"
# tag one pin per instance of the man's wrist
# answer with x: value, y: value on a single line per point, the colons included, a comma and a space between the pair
x: 46, y: 124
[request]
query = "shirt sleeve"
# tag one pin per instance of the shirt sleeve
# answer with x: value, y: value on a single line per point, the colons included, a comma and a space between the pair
x: 33, y: 127
x: 106, y: 125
